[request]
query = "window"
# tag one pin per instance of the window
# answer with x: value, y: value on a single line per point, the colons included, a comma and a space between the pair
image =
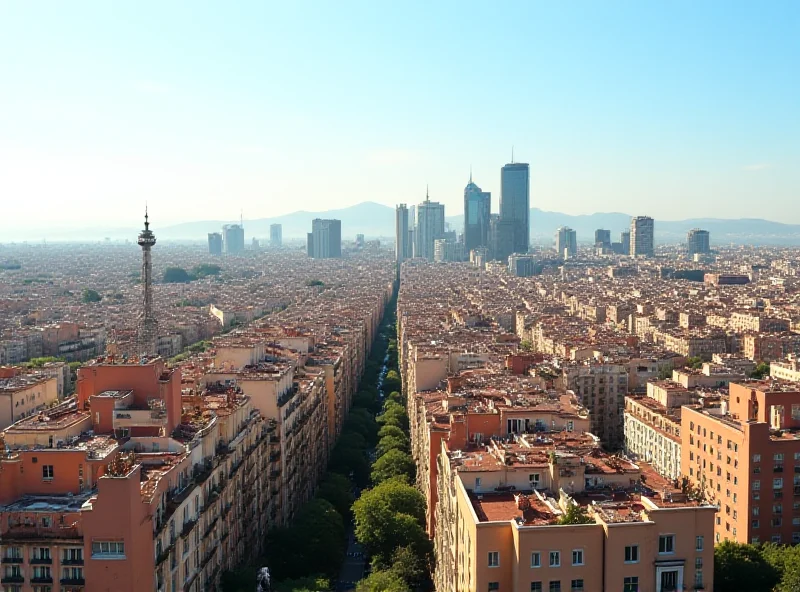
x: 533, y: 478
x: 493, y: 586
x: 756, y: 485
x: 47, y: 471
x: 555, y: 586
x: 108, y: 548
x: 536, y: 587
x: 632, y: 554
x: 777, y: 457
x: 494, y: 559
x: 698, y: 543
x: 755, y: 524
x: 577, y: 586
x: 698, y: 578
x: 666, y: 543
x: 477, y: 482
x: 756, y: 458
x: 631, y: 584
x: 777, y: 483
x: 698, y: 562
x: 577, y: 557
x: 536, y: 559
x: 555, y: 559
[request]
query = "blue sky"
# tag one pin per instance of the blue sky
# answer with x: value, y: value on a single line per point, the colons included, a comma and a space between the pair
x: 679, y: 109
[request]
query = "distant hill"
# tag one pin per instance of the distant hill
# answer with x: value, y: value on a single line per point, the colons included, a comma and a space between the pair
x: 377, y: 220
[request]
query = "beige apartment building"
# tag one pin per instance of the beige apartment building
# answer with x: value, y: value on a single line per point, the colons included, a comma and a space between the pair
x: 23, y: 395
x: 506, y: 536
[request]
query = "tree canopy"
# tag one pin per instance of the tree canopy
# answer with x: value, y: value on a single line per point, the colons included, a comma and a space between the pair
x: 395, y: 463
x: 89, y: 296
x: 575, y: 515
x: 383, y: 581
x: 742, y: 567
x: 176, y: 275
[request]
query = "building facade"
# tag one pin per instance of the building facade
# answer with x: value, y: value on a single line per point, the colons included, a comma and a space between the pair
x: 430, y: 227
x: 275, y: 236
x: 214, y: 243
x: 515, y: 203
x: 566, y: 242
x: 697, y: 242
x: 325, y: 239
x: 477, y: 210
x: 402, y: 248
x: 642, y: 237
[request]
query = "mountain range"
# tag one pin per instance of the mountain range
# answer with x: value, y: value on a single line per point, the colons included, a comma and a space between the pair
x: 376, y: 221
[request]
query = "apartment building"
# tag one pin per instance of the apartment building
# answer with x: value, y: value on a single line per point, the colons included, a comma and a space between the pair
x: 761, y: 347
x: 23, y: 395
x: 745, y: 457
x: 499, y: 510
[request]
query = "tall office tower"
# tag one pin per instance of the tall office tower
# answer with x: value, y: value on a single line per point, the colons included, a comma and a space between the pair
x: 501, y: 238
x: 325, y: 239
x: 402, y: 249
x: 698, y: 241
x: 430, y: 226
x: 602, y: 238
x: 477, y: 207
x: 233, y: 238
x: 412, y: 218
x: 215, y: 243
x: 147, y: 329
x: 566, y: 242
x: 642, y: 242
x: 275, y: 235
x: 515, y: 202
x: 625, y: 239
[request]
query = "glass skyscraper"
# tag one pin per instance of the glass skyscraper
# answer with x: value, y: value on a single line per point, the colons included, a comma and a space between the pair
x: 515, y: 202
x: 477, y: 207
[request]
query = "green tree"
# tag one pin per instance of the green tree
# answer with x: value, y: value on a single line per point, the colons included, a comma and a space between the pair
x: 362, y: 422
x: 89, y: 296
x: 395, y: 397
x: 391, y: 430
x: 394, y: 415
x: 176, y: 275
x: 760, y: 371
x: 305, y: 584
x: 383, y: 581
x: 205, y: 270
x: 695, y: 362
x: 348, y: 461
x: 388, y: 443
x: 785, y: 559
x: 740, y: 567
x: 576, y: 515
x: 337, y: 489
x: 389, y: 516
x: 392, y: 381
x: 240, y: 580
x: 395, y: 463
x: 412, y: 568
x: 39, y: 362
x: 526, y: 345
x: 314, y: 283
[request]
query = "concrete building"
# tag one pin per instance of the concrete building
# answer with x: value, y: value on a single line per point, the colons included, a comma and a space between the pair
x: 566, y: 242
x: 515, y: 203
x: 501, y: 238
x: 448, y: 250
x: 521, y: 265
x: 23, y: 395
x: 430, y: 227
x: 233, y: 239
x: 325, y: 239
x: 275, y: 236
x: 402, y: 249
x: 500, y: 506
x: 745, y: 457
x: 214, y: 243
x: 697, y: 242
x: 642, y: 237
x: 477, y: 210
x: 625, y: 241
x: 602, y: 238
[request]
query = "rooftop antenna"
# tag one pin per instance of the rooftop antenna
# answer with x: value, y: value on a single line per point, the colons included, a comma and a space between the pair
x: 241, y: 218
x: 427, y: 194
x: 512, y: 153
x: 470, y: 173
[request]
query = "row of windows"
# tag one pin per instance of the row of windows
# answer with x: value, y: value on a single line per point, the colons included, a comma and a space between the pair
x: 631, y: 584
x: 666, y: 545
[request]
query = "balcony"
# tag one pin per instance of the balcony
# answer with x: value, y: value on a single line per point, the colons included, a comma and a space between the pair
x: 12, y: 560
x: 76, y: 561
x: 187, y: 527
x: 126, y: 418
x: 12, y: 579
x: 41, y: 561
x: 42, y: 580
x: 79, y: 581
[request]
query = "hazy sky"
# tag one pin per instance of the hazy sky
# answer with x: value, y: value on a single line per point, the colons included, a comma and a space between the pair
x: 676, y: 110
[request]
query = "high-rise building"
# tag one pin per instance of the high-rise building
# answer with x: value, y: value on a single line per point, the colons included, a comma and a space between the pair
x: 515, y: 202
x: 477, y: 207
x: 697, y: 242
x: 325, y: 239
x: 521, y: 265
x: 501, y: 238
x: 233, y: 238
x: 566, y: 242
x: 602, y: 238
x: 403, y: 248
x: 147, y: 330
x: 215, y: 243
x: 430, y: 226
x: 625, y: 241
x: 642, y: 241
x: 275, y: 236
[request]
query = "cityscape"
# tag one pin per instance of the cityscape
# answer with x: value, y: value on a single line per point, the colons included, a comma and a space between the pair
x: 362, y: 297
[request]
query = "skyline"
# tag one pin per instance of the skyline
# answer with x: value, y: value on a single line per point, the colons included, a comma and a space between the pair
x: 674, y: 112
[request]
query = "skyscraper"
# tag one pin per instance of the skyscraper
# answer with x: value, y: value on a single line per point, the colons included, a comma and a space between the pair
x: 402, y: 234
x: 602, y: 238
x: 430, y: 226
x: 625, y: 239
x: 215, y: 243
x: 501, y: 238
x: 147, y: 329
x: 477, y: 208
x: 642, y: 241
x: 697, y: 241
x: 233, y: 238
x: 275, y: 235
x: 566, y: 242
x: 325, y: 239
x: 515, y: 202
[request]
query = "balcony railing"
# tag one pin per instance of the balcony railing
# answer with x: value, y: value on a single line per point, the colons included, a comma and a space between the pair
x: 12, y: 579
x: 12, y: 560
x: 72, y: 581
x: 41, y: 561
